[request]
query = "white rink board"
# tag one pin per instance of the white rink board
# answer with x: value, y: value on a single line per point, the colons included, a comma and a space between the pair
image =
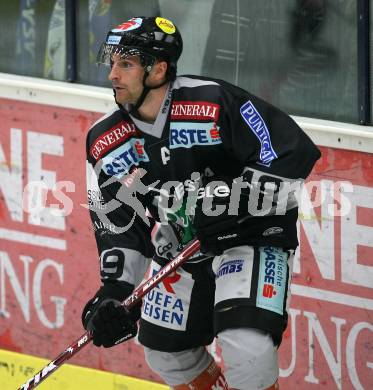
x: 97, y: 99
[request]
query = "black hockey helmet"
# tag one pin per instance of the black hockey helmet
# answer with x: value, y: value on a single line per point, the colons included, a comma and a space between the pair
x: 150, y: 38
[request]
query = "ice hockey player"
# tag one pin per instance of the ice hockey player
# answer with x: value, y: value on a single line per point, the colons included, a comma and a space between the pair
x: 206, y: 159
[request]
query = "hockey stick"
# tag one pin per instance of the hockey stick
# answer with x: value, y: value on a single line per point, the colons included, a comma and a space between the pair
x: 135, y: 297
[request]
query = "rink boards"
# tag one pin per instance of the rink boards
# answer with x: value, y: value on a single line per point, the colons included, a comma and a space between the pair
x: 49, y: 266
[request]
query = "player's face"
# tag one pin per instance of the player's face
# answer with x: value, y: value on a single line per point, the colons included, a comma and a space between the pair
x: 126, y: 76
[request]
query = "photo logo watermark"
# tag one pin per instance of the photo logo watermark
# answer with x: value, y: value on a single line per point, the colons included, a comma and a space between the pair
x: 116, y: 203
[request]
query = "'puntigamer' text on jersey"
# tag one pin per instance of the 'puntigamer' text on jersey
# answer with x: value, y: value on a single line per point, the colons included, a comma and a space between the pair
x: 205, y: 127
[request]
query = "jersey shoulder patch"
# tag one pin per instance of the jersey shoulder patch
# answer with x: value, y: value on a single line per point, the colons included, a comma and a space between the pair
x: 259, y: 127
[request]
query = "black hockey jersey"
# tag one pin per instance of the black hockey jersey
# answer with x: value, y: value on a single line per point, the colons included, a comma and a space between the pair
x: 142, y: 175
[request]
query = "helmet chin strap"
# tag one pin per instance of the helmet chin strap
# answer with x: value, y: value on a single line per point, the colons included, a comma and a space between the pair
x: 146, y: 89
x: 144, y: 93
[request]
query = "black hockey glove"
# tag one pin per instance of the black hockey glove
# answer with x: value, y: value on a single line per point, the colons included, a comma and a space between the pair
x: 109, y: 321
x: 235, y: 226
